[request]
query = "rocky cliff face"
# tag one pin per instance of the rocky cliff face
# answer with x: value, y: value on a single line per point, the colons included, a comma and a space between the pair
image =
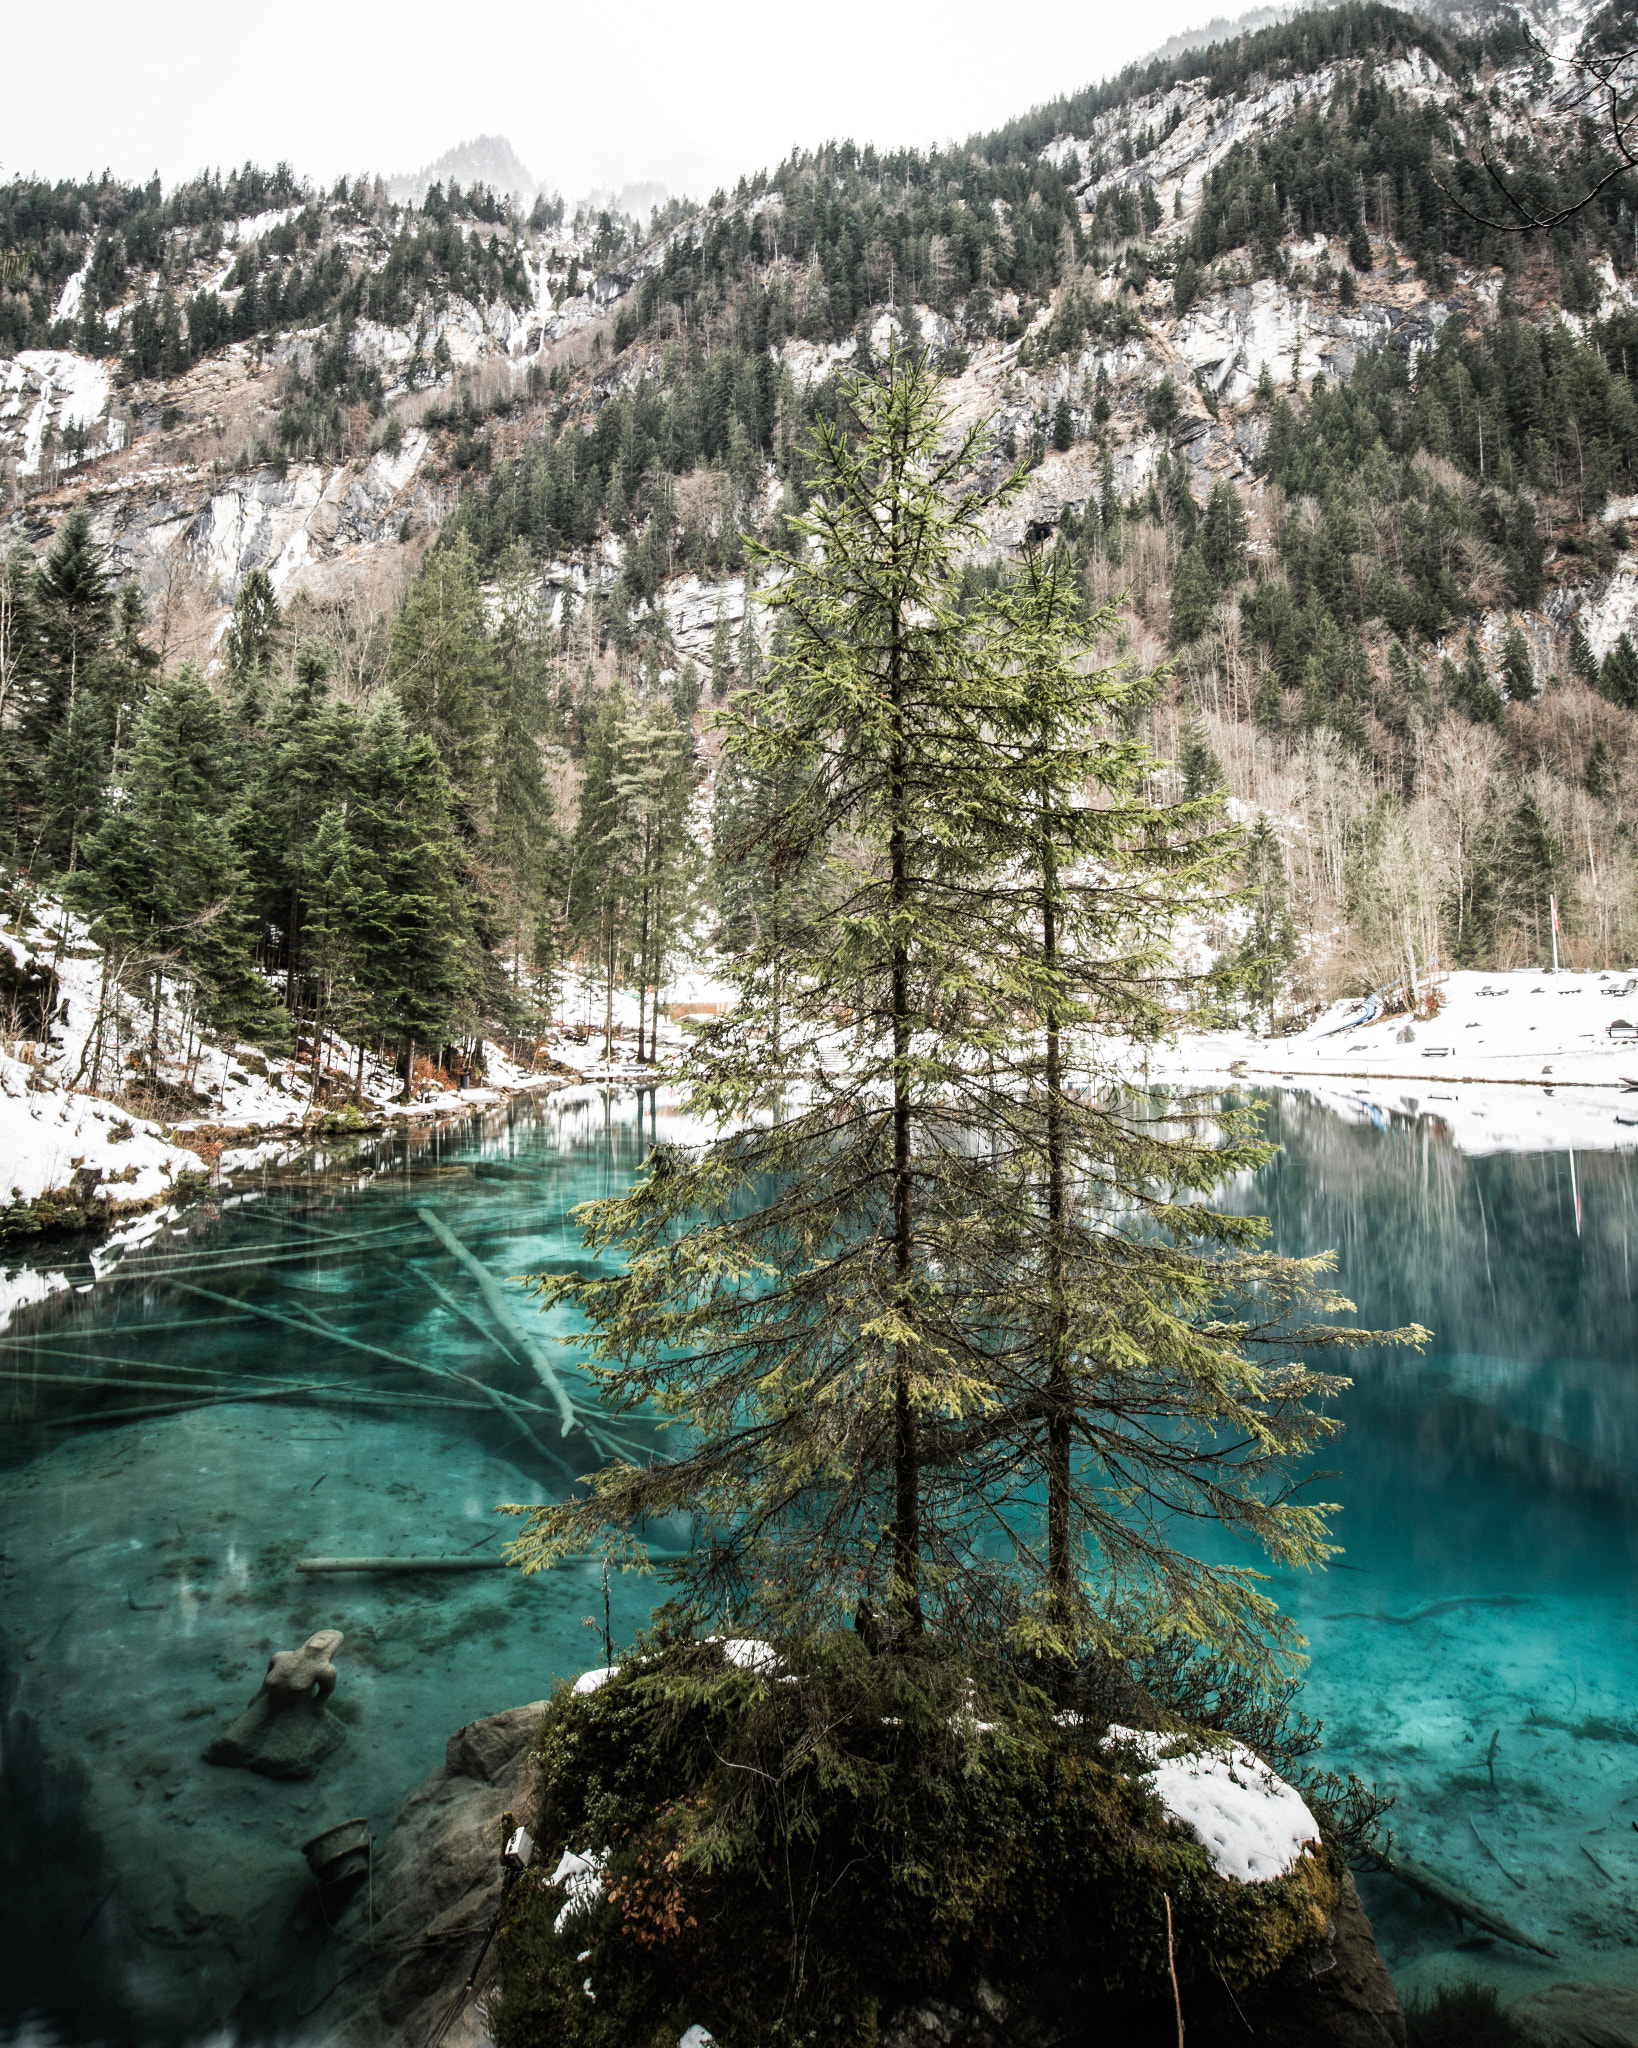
x: 176, y: 472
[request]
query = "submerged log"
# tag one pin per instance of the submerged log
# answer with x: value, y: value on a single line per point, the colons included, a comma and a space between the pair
x: 1442, y: 1892
x: 401, y: 1564
x: 500, y: 1306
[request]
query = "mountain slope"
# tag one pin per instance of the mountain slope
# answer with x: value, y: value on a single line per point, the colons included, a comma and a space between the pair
x: 1363, y: 466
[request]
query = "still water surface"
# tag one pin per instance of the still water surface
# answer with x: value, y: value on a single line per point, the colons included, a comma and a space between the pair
x: 1475, y: 1651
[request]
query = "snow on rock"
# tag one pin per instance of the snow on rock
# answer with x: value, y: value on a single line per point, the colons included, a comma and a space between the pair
x: 68, y: 299
x: 1250, y: 1822
x: 593, y: 1681
x: 747, y: 1653
x: 696, y: 2037
x: 583, y: 1876
x: 52, y: 388
x: 1604, y: 617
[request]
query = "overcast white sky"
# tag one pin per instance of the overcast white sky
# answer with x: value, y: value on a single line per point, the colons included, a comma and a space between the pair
x: 589, y: 95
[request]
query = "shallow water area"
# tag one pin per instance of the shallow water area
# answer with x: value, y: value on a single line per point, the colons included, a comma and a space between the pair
x: 1475, y: 1648
x: 150, y: 1557
x: 312, y: 1370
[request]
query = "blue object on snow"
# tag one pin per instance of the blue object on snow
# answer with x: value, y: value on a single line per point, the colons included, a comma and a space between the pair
x: 1373, y: 1010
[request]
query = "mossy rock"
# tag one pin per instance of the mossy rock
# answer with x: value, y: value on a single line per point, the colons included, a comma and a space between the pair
x: 798, y: 1855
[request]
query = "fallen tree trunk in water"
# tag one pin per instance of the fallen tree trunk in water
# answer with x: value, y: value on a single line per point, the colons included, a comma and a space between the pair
x: 501, y: 1308
x: 1443, y: 1893
x: 401, y: 1564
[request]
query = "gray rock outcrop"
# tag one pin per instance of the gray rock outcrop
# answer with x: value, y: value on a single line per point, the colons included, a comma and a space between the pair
x: 438, y: 1885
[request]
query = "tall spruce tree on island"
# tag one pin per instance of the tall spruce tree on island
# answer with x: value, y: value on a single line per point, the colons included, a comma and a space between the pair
x: 940, y: 1264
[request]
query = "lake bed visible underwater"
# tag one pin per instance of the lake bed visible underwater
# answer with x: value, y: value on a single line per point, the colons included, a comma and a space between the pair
x: 1475, y: 1650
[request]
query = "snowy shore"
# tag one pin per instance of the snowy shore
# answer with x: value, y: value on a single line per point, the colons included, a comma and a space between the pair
x: 1514, y: 1062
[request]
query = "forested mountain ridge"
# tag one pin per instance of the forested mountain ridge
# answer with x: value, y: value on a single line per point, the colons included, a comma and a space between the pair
x: 1363, y: 465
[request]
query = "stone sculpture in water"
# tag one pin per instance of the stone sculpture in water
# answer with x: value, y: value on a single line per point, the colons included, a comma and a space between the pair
x: 287, y: 1730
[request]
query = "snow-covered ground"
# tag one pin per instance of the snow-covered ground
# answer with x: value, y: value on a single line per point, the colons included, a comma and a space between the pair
x: 1509, y: 1062
x: 51, y: 1138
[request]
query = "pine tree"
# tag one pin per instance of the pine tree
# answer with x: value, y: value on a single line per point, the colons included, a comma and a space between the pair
x: 603, y: 849
x: 1063, y: 426
x: 162, y: 870
x: 651, y: 790
x: 1618, y: 678
x: 299, y: 756
x: 750, y: 651
x: 441, y: 664
x: 405, y: 907
x: 1473, y: 690
x: 1583, y: 662
x: 863, y: 1300
x: 253, y: 632
x: 722, y: 660
x: 1519, y: 667
x: 520, y: 842
x: 1194, y: 598
x: 1223, y: 535
x: 1270, y: 943
x: 1202, y: 771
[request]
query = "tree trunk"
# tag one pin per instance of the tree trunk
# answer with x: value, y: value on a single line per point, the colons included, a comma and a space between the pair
x: 907, y: 1476
x: 1060, y: 1561
x: 608, y: 991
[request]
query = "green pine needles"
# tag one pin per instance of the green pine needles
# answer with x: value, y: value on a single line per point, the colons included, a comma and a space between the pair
x: 947, y: 1330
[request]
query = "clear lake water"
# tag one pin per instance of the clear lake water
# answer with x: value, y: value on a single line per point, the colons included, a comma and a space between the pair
x: 300, y: 1350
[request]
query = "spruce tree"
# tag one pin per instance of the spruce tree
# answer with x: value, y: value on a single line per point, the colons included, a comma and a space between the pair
x: 441, y: 664
x: 1618, y: 677
x: 253, y: 631
x: 163, y: 872
x: 1201, y: 770
x: 1270, y: 943
x: 405, y: 907
x: 299, y: 758
x: 1519, y: 667
x: 939, y: 1257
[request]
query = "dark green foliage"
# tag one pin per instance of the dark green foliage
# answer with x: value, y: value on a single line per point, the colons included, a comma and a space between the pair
x: 1194, y: 597
x: 1618, y: 677
x: 793, y: 1858
x: 395, y: 884
x: 1199, y: 766
x: 1223, y: 535
x: 1519, y: 668
x: 1518, y: 409
x: 1269, y: 947
x: 1600, y: 774
x: 1063, y: 426
x: 1161, y: 405
x: 1474, y: 692
x: 253, y: 631
x: 163, y: 873
x: 1583, y: 662
x: 1535, y: 869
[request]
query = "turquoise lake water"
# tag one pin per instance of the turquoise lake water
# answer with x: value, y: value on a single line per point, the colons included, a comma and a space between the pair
x: 1475, y: 1651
